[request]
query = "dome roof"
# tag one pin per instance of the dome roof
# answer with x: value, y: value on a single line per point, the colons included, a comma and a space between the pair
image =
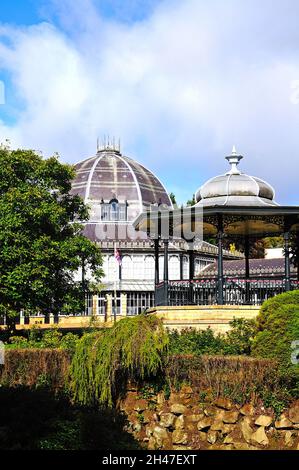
x: 109, y: 176
x: 235, y: 188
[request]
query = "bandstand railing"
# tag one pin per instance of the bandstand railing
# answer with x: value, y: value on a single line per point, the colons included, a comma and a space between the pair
x: 236, y: 291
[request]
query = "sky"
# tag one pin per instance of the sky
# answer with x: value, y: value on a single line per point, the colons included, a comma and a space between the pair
x: 178, y: 81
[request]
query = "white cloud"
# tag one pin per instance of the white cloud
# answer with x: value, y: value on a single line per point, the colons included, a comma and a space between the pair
x: 179, y: 87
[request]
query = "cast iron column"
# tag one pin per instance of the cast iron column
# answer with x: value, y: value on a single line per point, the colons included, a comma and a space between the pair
x: 220, y: 298
x: 166, y: 276
x: 287, y: 261
x: 191, y: 273
x: 83, y: 285
x: 181, y: 266
x: 157, y: 274
x: 191, y: 264
x: 247, y: 269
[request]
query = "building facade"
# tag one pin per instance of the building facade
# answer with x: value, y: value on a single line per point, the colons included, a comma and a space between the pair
x: 118, y: 189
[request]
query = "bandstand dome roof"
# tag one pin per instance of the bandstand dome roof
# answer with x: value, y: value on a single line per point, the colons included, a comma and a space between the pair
x: 235, y: 188
x: 109, y: 175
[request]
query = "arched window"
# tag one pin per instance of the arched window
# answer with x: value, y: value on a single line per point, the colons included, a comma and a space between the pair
x: 113, y: 211
x: 185, y: 267
x: 197, y: 266
x: 138, y: 267
x: 105, y: 267
x: 127, y: 267
x: 112, y: 268
x: 149, y: 267
x: 174, y: 267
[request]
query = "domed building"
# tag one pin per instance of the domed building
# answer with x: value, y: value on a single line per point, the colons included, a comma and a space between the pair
x: 118, y: 189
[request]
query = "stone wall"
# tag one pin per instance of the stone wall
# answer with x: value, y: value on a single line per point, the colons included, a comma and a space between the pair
x: 201, y: 317
x: 183, y: 421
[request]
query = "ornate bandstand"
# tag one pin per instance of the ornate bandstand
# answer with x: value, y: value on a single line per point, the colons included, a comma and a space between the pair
x: 231, y: 207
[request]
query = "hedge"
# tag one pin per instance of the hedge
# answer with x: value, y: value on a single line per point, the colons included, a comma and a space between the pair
x: 241, y: 378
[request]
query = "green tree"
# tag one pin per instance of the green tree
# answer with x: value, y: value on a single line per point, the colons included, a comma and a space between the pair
x: 41, y: 241
x: 257, y: 247
x: 274, y: 242
x: 172, y: 198
x: 191, y: 202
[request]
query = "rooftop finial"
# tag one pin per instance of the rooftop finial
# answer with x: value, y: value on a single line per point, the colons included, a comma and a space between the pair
x: 234, y: 160
x: 108, y: 144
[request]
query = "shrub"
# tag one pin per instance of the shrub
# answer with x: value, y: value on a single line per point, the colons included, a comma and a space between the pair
x: 240, y: 337
x: 278, y: 328
x: 191, y: 341
x: 272, y: 305
x: 18, y: 342
x: 69, y: 342
x: 31, y: 367
x: 235, y: 342
x: 51, y: 338
x: 240, y: 378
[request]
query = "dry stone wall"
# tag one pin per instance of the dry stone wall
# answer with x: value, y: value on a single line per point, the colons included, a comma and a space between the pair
x: 183, y: 421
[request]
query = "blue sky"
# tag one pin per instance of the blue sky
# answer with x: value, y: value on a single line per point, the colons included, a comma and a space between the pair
x: 19, y: 12
x: 27, y: 12
x: 179, y: 81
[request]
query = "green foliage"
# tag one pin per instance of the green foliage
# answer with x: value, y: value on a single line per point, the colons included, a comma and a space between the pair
x: 18, y: 342
x: 277, y: 400
x: 191, y: 202
x: 237, y: 341
x: 278, y: 325
x: 48, y: 339
x: 272, y: 305
x: 132, y: 348
x: 41, y: 242
x: 274, y: 242
x: 256, y: 251
x: 52, y: 338
x: 172, y: 198
x: 69, y: 342
x: 190, y: 341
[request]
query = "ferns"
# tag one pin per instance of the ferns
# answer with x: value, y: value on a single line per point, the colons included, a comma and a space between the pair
x: 133, y: 347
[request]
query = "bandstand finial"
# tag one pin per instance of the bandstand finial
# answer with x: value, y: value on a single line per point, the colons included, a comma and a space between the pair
x: 234, y: 160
